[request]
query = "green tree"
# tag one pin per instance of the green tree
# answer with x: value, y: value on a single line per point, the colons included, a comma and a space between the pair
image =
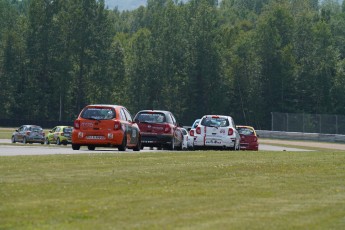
x: 274, y: 37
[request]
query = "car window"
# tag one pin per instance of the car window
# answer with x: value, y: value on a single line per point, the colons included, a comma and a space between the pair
x: 151, y: 117
x: 215, y: 122
x: 128, y: 115
x: 184, y: 132
x: 36, y: 129
x: 173, y: 119
x: 98, y: 113
x: 195, y: 124
x: 245, y: 131
x: 122, y: 115
x: 67, y: 130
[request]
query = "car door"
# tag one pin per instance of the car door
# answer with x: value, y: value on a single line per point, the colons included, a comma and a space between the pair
x: 131, y: 131
x: 20, y: 133
x: 56, y: 133
x: 178, y: 135
x: 51, y: 135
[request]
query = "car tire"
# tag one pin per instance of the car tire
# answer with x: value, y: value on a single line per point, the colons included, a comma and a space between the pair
x: 24, y: 140
x: 13, y: 139
x: 47, y: 141
x: 138, y: 146
x: 91, y: 147
x: 172, y: 146
x: 123, y: 146
x: 58, y: 142
x: 75, y: 147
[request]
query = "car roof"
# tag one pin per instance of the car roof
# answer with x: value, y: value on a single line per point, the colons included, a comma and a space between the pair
x: 104, y: 105
x: 245, y: 126
x: 222, y: 116
x: 155, y: 111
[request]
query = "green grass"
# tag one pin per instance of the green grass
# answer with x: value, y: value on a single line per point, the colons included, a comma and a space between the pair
x: 179, y: 190
x: 6, y: 133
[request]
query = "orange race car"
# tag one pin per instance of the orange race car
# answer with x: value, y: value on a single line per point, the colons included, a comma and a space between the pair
x: 106, y: 126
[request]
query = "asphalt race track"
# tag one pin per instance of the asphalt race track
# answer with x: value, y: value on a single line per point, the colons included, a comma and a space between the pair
x: 8, y: 149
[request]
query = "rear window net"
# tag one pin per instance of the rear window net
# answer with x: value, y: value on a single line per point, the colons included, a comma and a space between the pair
x: 151, y: 118
x: 215, y: 122
x: 98, y: 113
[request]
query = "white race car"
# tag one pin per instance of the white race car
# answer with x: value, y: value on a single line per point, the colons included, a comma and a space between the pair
x: 191, y: 134
x: 216, y: 132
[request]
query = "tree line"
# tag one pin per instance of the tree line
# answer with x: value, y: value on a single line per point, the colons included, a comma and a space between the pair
x: 244, y: 58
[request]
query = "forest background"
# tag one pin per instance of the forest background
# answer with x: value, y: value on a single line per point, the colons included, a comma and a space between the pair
x: 244, y: 58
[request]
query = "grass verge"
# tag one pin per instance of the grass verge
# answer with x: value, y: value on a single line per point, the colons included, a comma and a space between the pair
x: 193, y: 190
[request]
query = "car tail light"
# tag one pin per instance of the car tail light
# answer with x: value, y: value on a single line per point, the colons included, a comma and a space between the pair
x: 28, y: 133
x: 191, y: 133
x: 167, y: 128
x: 77, y: 124
x: 255, y: 139
x: 62, y: 134
x: 117, y: 125
x: 43, y: 134
x: 198, y: 130
x: 230, y: 131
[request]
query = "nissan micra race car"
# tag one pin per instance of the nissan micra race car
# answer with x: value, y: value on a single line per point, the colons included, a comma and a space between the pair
x: 106, y: 126
x: 216, y: 132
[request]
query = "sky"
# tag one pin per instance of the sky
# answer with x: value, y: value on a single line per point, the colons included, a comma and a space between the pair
x: 125, y: 4
x: 134, y: 4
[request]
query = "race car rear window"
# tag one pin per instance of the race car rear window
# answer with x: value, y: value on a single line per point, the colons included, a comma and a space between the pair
x: 67, y: 130
x: 215, y: 122
x: 151, y: 117
x: 35, y: 129
x: 99, y: 113
x: 245, y: 131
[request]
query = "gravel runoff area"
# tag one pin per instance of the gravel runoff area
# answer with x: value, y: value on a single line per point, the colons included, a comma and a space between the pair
x: 310, y: 144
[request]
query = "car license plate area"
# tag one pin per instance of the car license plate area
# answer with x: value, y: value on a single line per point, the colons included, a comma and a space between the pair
x: 95, y: 137
x: 213, y: 142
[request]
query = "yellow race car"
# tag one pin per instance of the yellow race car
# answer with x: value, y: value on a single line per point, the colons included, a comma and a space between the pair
x: 59, y: 135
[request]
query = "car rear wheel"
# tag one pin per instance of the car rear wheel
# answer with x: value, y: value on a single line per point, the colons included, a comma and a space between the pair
x: 75, y: 147
x: 123, y: 146
x: 91, y: 147
x: 172, y: 146
x: 138, y: 146
x: 13, y: 139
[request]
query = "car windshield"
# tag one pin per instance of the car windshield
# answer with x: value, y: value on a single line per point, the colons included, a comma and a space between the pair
x: 99, y: 113
x: 245, y: 131
x: 215, y: 122
x: 151, y: 117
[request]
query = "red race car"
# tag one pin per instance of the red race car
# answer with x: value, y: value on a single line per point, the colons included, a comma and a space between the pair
x: 159, y: 129
x: 249, y: 139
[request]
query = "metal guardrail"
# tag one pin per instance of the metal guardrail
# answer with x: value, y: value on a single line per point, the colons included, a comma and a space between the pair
x: 301, y: 136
